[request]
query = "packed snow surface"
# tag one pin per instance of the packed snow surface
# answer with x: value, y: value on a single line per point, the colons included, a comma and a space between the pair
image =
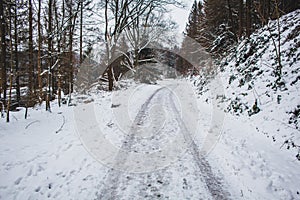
x: 45, y: 157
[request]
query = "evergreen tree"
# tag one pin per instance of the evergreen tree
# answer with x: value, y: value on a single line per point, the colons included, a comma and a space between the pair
x: 202, y: 33
x: 191, y: 27
x: 190, y: 42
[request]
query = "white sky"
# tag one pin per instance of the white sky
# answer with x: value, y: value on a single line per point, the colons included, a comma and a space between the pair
x: 180, y: 15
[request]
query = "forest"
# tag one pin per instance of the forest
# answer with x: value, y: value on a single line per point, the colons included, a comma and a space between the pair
x: 45, y: 43
x: 219, y: 25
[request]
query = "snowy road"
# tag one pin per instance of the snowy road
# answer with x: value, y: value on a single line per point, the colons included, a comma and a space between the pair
x: 188, y: 177
x: 143, y: 142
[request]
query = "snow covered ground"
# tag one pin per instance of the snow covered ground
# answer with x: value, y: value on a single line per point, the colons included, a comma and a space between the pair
x: 229, y: 138
x: 47, y: 156
x: 258, y: 152
x: 40, y: 162
x: 255, y: 166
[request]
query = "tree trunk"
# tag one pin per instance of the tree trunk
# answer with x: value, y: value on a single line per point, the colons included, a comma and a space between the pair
x: 18, y: 92
x: 109, y: 70
x: 265, y: 11
x: 268, y: 8
x: 279, y: 68
x: 110, y: 78
x: 3, y: 52
x: 30, y: 63
x: 39, y: 59
x: 49, y: 54
x: 11, y: 66
x: 230, y: 17
x: 81, y: 27
x: 71, y: 49
x: 61, y: 72
x: 58, y: 55
x: 241, y: 17
x: 248, y: 17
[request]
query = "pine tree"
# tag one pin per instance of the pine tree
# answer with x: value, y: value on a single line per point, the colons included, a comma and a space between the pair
x: 248, y: 17
x: 241, y: 18
x: 216, y: 14
x: 191, y: 27
x: 202, y: 33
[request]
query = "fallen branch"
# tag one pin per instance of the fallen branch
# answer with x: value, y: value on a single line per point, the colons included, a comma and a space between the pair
x: 61, y: 127
x: 287, y: 125
x: 15, y: 118
x: 31, y: 124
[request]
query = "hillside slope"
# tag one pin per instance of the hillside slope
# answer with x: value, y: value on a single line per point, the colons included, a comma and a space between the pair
x: 254, y: 90
x: 258, y: 149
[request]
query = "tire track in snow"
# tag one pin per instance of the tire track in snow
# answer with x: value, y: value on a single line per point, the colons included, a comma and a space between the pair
x: 212, y: 182
x: 113, y: 184
x: 109, y: 190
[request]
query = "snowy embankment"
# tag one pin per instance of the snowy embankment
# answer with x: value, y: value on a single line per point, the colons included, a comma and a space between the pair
x: 260, y: 144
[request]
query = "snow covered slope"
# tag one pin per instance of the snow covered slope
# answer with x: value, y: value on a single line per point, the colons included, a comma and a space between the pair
x: 252, y: 87
x: 259, y: 148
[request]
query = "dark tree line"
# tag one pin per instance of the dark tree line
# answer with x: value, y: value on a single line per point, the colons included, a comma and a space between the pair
x: 38, y: 55
x: 43, y: 42
x: 218, y: 24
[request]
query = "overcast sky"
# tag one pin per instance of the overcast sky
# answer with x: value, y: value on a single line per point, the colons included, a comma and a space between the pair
x: 181, y: 15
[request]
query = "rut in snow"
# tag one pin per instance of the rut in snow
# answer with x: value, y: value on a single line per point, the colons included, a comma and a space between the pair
x: 112, y: 182
x: 112, y: 185
x: 212, y: 182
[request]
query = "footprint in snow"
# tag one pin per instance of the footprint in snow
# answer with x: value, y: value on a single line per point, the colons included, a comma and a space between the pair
x: 17, y: 182
x: 29, y: 172
x: 67, y: 148
x: 38, y: 189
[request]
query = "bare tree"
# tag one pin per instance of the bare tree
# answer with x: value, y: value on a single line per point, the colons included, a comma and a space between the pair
x: 125, y: 13
x: 146, y: 29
